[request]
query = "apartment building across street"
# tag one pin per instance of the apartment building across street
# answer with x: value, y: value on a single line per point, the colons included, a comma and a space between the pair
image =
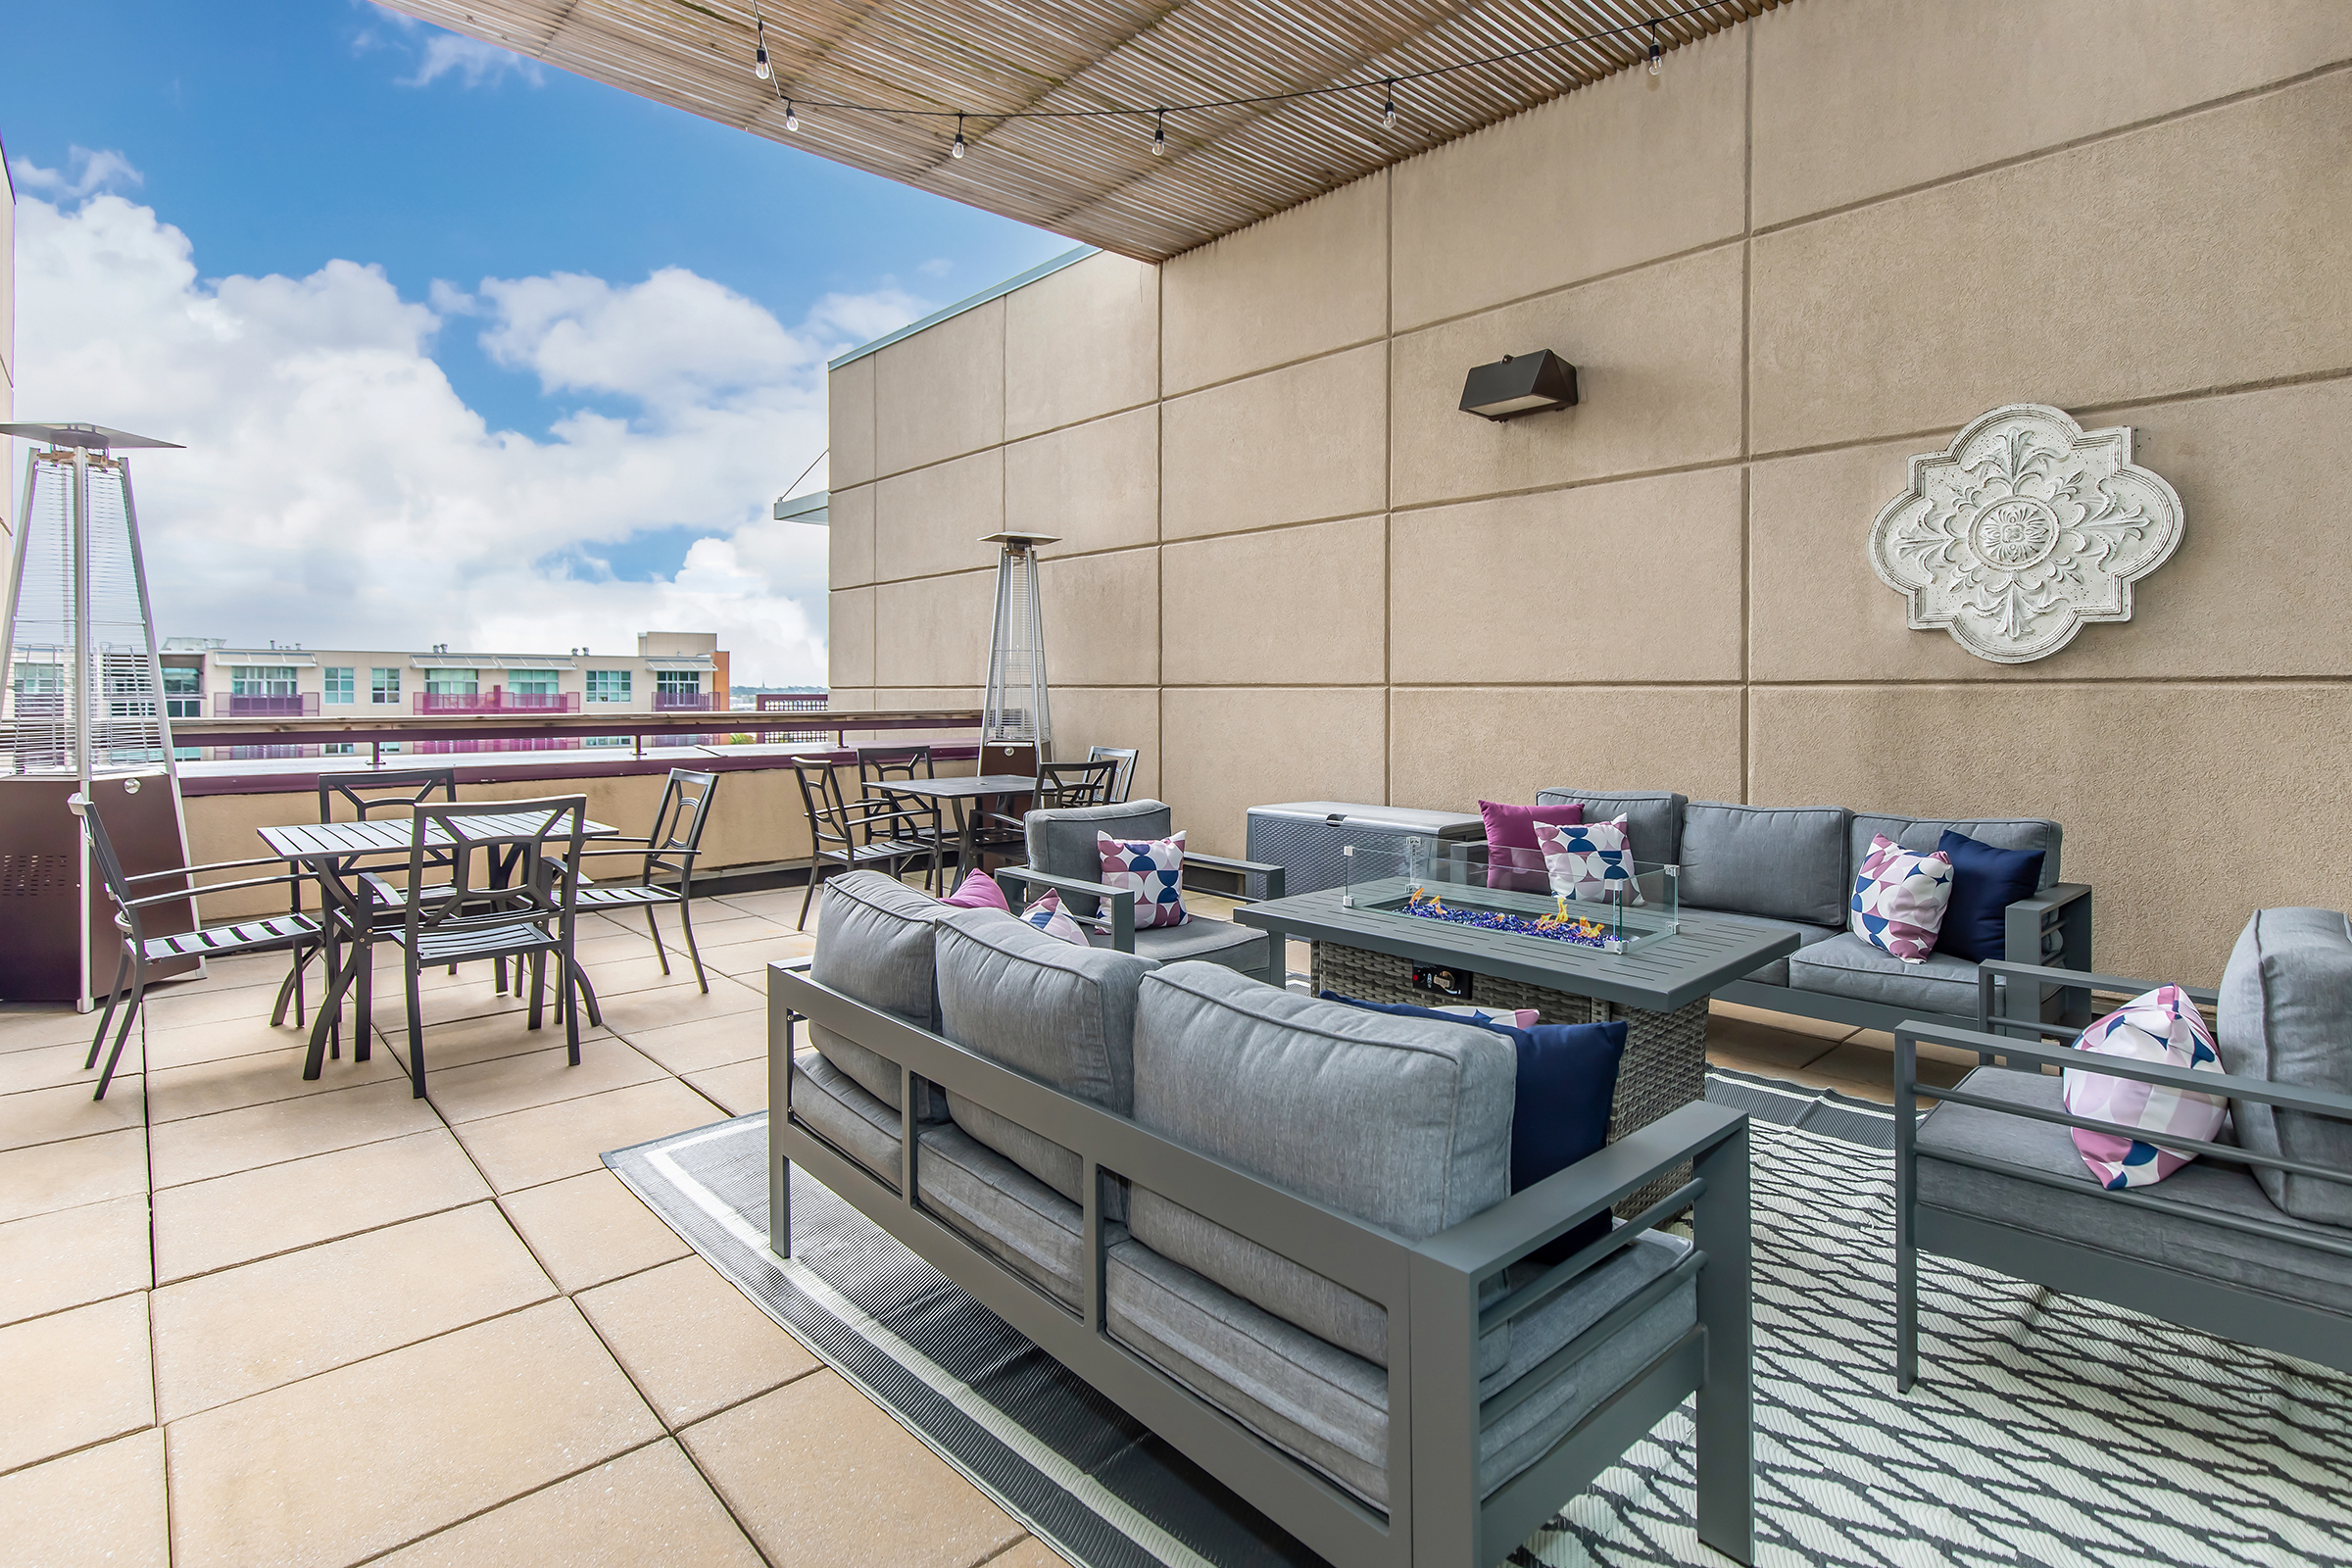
x: 671, y: 672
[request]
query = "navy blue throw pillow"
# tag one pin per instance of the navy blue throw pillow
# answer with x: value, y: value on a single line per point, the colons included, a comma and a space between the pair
x: 1567, y: 1083
x: 1986, y: 881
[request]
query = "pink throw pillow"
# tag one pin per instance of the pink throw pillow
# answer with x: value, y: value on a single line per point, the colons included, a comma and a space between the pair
x: 1048, y: 917
x: 978, y: 892
x: 2157, y: 1026
x: 1153, y: 869
x: 1513, y: 859
x: 1899, y: 898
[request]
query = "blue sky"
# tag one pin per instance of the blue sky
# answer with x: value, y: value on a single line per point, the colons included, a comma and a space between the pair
x: 276, y: 137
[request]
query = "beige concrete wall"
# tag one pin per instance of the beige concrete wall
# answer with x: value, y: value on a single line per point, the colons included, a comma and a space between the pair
x: 1813, y: 247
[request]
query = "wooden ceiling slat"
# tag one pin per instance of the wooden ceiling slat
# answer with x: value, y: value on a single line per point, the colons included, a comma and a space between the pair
x: 1092, y: 175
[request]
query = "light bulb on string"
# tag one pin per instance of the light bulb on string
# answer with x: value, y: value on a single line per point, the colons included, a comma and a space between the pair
x: 1658, y: 55
x: 957, y: 151
x: 792, y: 118
x: 1388, y: 106
x: 1160, y: 134
x: 760, y: 66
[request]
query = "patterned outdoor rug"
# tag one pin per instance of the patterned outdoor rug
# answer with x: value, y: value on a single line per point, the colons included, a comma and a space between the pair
x: 2045, y: 1429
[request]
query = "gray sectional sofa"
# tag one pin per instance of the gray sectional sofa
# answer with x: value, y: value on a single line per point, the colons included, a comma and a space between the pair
x: 2251, y: 1240
x: 1792, y: 868
x: 1278, y: 1231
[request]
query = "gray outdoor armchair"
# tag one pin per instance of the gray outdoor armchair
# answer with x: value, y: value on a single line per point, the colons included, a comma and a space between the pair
x: 1063, y: 856
x: 2251, y: 1240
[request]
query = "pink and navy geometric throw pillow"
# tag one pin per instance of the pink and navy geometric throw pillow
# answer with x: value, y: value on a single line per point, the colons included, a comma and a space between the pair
x: 1048, y: 917
x: 2165, y: 1027
x: 1154, y: 868
x: 1899, y: 898
x: 1589, y: 859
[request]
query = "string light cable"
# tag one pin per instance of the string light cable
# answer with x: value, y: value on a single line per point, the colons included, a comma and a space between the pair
x: 1653, y: 56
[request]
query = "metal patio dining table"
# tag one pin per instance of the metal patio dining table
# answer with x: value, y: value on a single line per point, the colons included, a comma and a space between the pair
x: 962, y: 797
x: 330, y: 852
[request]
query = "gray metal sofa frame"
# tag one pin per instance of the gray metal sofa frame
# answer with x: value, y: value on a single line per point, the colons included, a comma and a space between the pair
x: 1117, y: 905
x: 2202, y: 1300
x: 1430, y: 1291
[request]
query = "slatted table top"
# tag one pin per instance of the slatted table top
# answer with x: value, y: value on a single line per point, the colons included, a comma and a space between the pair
x: 330, y: 841
x: 952, y: 789
x: 1699, y: 958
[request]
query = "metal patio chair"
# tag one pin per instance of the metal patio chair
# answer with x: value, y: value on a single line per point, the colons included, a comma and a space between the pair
x: 1125, y: 757
x: 853, y: 835
x: 1060, y: 786
x: 669, y: 849
x: 877, y: 765
x: 299, y: 931
x: 373, y: 794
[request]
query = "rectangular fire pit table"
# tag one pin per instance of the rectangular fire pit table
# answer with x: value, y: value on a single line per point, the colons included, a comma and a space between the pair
x: 1660, y: 989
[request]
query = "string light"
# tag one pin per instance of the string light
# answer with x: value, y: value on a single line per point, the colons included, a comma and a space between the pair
x: 1655, y: 55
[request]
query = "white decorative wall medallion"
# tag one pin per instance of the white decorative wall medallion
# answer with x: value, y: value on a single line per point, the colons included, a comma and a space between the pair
x: 2022, y: 530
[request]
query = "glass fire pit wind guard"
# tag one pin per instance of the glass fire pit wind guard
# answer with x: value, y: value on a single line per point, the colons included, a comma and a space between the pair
x: 1613, y: 904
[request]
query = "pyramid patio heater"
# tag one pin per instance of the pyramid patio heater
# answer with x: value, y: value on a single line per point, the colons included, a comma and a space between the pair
x: 1016, y: 721
x: 83, y: 689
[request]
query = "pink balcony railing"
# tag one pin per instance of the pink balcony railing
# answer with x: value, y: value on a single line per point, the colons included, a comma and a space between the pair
x: 497, y: 700
x: 686, y: 701
x: 229, y: 704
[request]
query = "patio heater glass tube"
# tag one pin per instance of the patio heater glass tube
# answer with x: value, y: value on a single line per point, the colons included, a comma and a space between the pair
x: 1016, y: 709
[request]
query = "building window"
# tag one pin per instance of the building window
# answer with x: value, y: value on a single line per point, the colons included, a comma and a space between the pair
x: 383, y: 686
x: 261, y: 680
x: 452, y: 682
x: 184, y: 692
x: 41, y: 680
x: 338, y: 748
x: 531, y: 682
x: 608, y: 685
x: 678, y: 682
x: 341, y: 687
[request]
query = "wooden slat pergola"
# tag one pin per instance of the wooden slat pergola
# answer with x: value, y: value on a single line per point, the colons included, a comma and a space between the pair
x: 1095, y: 179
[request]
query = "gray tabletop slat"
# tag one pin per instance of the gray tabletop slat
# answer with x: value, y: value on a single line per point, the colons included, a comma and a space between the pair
x: 948, y: 789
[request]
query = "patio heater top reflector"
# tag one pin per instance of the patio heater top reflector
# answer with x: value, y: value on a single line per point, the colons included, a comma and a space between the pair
x: 95, y: 438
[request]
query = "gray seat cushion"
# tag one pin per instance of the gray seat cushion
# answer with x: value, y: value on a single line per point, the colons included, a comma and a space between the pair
x: 873, y: 943
x: 1403, y: 1122
x: 1921, y: 833
x: 2281, y: 1267
x: 1776, y: 974
x: 1018, y: 1219
x: 1846, y: 965
x: 2286, y: 1018
x: 1236, y: 946
x: 1061, y: 842
x: 1654, y: 818
x: 837, y: 1108
x: 1330, y: 1409
x: 1058, y: 1013
x: 1781, y: 862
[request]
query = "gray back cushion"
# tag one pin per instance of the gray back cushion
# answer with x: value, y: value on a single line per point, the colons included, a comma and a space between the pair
x: 1921, y: 833
x: 1056, y: 1011
x: 873, y: 943
x: 1782, y: 862
x: 1403, y: 1122
x: 1653, y: 820
x: 1061, y: 843
x: 2286, y: 1018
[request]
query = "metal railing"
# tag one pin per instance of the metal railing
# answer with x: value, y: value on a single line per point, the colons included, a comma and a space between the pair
x: 686, y: 703
x: 238, y: 704
x: 497, y: 700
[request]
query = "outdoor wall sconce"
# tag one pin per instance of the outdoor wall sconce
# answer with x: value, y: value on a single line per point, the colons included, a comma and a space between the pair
x: 1520, y: 384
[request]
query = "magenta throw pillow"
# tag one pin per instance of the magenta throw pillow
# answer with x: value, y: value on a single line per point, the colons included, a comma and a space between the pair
x: 1513, y: 859
x: 979, y: 892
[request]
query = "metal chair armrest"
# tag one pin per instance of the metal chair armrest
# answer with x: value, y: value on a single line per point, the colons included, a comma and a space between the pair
x: 2038, y: 974
x: 2318, y: 1101
x: 181, y: 895
x: 210, y: 865
x: 1120, y: 901
x: 1274, y: 874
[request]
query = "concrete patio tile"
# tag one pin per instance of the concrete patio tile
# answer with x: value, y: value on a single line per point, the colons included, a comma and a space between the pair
x: 247, y: 970
x: 704, y: 1042
x: 183, y: 1003
x: 232, y: 1083
x: 221, y: 1337
x: 590, y: 1228
x: 200, y: 1147
x: 780, y: 905
x: 52, y: 1066
x: 744, y: 960
x: 74, y: 1379
x: 83, y: 1170
x: 52, y: 1115
x: 1783, y: 1022
x: 741, y: 1086
x: 1758, y: 1048
x: 28, y: 1028
x: 103, y: 1505
x: 233, y: 1219
x: 525, y: 1148
x: 482, y: 1039
x: 374, y: 1455
x: 472, y: 995
x: 1030, y: 1554
x: 629, y: 1014
x: 647, y: 1510
x: 1869, y: 1068
x: 76, y: 1256
x: 540, y: 1078
x: 184, y: 1045
x: 624, y: 977
x: 692, y: 1341
x: 821, y: 1477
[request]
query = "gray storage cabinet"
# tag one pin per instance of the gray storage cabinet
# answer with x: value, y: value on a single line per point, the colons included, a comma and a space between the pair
x: 1306, y: 837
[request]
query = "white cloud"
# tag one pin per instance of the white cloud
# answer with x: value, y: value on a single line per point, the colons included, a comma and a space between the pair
x: 90, y: 172
x: 473, y: 62
x: 338, y: 492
